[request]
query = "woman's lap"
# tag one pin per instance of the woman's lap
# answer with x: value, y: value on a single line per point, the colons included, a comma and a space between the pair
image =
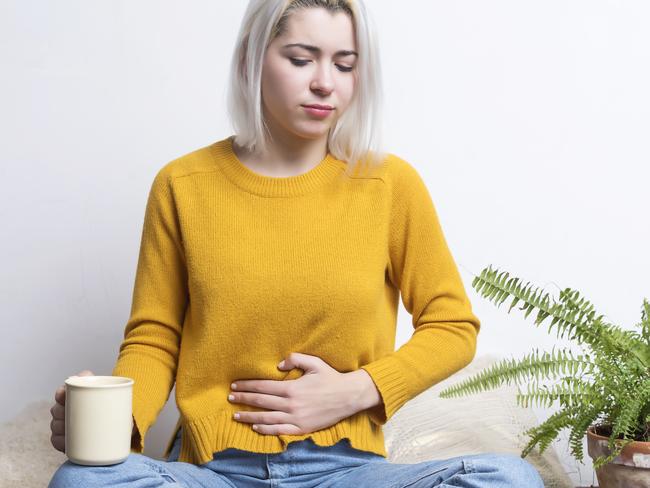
x: 138, y: 471
x: 303, y: 464
x: 472, y: 471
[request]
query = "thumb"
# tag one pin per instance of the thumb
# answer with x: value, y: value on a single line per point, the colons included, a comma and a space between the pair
x: 59, y: 396
x: 303, y: 361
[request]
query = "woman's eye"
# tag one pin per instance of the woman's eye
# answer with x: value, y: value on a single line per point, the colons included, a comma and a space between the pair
x: 298, y: 62
x: 303, y: 62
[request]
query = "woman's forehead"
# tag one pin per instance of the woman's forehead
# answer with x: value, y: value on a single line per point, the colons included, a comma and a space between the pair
x: 320, y: 28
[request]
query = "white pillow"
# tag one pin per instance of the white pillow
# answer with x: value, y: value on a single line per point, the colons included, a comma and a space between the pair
x: 429, y: 427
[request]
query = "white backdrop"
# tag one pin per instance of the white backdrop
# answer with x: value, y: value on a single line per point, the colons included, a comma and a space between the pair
x: 529, y: 121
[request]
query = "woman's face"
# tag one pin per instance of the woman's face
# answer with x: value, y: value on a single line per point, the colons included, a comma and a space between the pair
x: 294, y: 76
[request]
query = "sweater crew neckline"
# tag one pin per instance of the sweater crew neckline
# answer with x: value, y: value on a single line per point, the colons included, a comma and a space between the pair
x: 273, y: 186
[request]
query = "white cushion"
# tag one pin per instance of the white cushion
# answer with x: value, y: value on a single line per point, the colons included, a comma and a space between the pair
x: 429, y: 427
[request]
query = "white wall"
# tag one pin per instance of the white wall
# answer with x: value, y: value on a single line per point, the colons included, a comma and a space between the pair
x: 528, y: 120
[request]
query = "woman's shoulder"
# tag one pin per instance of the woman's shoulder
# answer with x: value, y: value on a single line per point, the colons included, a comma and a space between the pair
x: 387, y: 168
x: 200, y: 160
x: 397, y: 171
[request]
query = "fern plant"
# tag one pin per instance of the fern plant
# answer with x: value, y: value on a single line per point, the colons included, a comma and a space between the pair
x: 607, y: 385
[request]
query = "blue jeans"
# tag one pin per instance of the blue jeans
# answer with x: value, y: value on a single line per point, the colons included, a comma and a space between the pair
x: 303, y: 464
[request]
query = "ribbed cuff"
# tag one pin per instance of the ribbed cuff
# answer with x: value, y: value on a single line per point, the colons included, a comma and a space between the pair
x: 392, y: 388
x: 142, y: 423
x: 149, y: 392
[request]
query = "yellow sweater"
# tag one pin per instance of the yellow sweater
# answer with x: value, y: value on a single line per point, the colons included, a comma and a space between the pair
x: 237, y: 270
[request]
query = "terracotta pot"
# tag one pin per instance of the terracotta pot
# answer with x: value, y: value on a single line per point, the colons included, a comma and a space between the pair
x: 630, y: 469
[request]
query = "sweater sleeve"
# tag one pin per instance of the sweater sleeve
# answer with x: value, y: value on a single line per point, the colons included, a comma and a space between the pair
x: 422, y: 267
x: 149, y: 351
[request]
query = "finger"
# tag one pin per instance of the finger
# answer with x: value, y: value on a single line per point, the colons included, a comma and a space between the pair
x: 58, y: 411
x: 57, y: 427
x: 271, y: 387
x: 263, y: 417
x: 269, y: 402
x: 58, y: 441
x: 59, y: 395
x: 85, y: 372
x: 288, y: 429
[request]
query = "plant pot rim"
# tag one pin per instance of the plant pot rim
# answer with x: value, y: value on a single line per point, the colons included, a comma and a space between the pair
x: 636, y: 452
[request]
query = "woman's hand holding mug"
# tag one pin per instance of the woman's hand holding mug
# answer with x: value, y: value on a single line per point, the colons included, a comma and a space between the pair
x: 57, y: 426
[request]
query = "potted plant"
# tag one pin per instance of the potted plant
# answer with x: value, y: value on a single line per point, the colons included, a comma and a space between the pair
x: 603, y: 392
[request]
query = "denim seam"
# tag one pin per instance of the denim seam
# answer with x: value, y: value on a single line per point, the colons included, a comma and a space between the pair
x: 160, y: 471
x: 268, y: 471
x: 436, y: 470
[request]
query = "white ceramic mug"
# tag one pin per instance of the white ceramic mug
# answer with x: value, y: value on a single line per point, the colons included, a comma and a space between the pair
x: 98, y: 419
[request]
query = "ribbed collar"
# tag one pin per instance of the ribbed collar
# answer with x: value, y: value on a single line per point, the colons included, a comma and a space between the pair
x: 270, y: 186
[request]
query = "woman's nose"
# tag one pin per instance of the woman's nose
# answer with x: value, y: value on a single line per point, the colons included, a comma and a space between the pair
x: 322, y: 81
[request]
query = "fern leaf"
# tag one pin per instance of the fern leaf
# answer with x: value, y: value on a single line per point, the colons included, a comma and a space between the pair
x: 570, y: 392
x: 584, y: 417
x: 644, y: 325
x: 572, y: 316
x: 492, y: 281
x: 628, y: 423
x: 533, y: 365
x: 544, y: 433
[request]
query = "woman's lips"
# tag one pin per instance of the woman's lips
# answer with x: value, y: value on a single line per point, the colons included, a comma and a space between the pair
x: 318, y: 112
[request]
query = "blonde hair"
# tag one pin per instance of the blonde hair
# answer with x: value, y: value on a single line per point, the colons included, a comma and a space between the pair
x: 356, y: 138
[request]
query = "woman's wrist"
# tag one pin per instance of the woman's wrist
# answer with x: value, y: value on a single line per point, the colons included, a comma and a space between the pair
x: 368, y: 395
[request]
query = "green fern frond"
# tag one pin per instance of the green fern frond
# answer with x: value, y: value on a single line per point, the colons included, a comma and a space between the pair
x: 629, y: 420
x: 583, y: 392
x: 573, y: 315
x: 600, y: 335
x: 628, y: 341
x: 531, y: 366
x: 583, y: 418
x: 644, y: 325
x: 497, y: 286
x: 611, y: 384
x: 569, y: 392
x: 544, y: 433
x: 642, y: 348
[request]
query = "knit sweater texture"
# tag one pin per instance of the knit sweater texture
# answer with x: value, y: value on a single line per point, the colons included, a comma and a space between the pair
x: 236, y: 270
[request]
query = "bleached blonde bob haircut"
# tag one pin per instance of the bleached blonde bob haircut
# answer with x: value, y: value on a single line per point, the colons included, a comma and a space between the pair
x: 356, y: 138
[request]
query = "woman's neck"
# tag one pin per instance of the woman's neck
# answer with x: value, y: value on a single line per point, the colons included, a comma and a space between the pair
x: 282, y: 160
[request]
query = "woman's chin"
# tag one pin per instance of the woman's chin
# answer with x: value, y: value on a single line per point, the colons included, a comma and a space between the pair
x: 312, y: 131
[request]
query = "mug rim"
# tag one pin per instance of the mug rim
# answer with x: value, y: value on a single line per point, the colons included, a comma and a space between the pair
x: 87, y: 381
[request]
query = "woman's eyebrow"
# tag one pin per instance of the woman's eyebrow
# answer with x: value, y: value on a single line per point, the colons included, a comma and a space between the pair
x: 317, y: 50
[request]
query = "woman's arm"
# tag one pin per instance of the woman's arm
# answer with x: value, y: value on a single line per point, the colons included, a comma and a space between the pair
x: 422, y: 267
x: 149, y: 352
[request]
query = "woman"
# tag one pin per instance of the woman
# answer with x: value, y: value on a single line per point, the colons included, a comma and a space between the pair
x: 292, y: 241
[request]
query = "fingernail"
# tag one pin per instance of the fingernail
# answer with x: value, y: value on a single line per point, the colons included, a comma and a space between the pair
x: 231, y: 397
